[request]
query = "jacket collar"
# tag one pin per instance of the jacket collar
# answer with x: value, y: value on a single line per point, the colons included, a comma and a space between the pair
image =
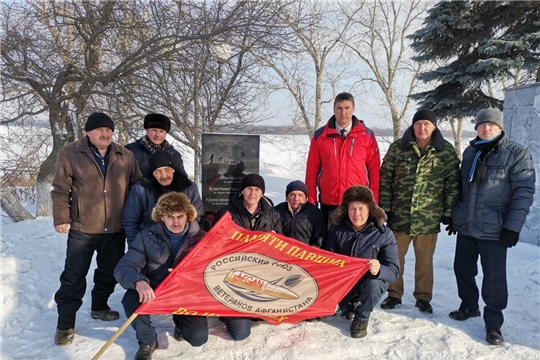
x: 83, y: 145
x: 408, y: 139
x: 332, y: 122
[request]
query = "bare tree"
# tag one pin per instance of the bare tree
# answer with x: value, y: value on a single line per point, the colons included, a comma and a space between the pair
x: 203, y: 92
x: 378, y: 38
x: 300, y: 65
x: 59, y: 56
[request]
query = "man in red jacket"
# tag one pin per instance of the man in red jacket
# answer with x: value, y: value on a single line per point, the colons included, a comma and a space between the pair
x: 342, y: 153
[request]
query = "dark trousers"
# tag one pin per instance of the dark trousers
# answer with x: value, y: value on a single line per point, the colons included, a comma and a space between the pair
x: 238, y: 327
x: 363, y: 297
x: 327, y: 211
x: 80, y: 249
x: 494, y: 289
x: 194, y: 328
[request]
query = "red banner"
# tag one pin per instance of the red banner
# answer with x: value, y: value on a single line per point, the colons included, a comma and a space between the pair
x: 236, y: 272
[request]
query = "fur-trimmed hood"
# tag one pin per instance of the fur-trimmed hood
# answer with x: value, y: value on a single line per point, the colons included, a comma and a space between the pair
x: 364, y: 195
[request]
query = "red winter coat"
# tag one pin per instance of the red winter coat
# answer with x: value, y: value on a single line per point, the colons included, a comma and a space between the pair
x: 335, y: 163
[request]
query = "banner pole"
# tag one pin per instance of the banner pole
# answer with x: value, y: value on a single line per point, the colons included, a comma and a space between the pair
x: 115, y: 335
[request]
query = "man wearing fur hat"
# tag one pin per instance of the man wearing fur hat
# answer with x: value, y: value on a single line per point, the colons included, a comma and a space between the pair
x: 162, y: 178
x: 91, y: 184
x: 498, y: 180
x: 360, y: 232
x: 157, y: 126
x: 251, y: 210
x: 300, y: 219
x: 153, y: 254
x: 419, y: 185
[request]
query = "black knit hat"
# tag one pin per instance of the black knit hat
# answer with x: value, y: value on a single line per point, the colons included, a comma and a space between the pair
x: 425, y: 114
x: 296, y: 185
x: 97, y: 120
x: 157, y: 121
x: 253, y: 180
x: 160, y: 159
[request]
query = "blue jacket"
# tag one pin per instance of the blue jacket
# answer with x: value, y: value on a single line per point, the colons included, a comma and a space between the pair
x: 503, y: 200
x: 149, y: 257
x: 370, y: 243
x: 142, y: 198
x: 142, y: 153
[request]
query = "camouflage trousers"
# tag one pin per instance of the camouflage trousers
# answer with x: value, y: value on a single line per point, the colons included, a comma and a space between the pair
x: 424, y: 248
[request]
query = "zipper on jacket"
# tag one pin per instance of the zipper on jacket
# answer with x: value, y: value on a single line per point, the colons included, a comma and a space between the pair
x: 335, y: 149
x: 352, y: 147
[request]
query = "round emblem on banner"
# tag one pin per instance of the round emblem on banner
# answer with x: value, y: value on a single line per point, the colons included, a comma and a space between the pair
x: 258, y: 284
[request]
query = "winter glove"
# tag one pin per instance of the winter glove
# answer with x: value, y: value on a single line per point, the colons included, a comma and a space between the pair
x: 447, y: 220
x: 389, y: 217
x: 508, y: 238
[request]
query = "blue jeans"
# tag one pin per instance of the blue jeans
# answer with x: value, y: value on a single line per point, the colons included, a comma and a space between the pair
x: 363, y: 297
x: 194, y: 328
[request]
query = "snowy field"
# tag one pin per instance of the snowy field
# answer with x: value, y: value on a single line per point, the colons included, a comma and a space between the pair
x: 33, y: 255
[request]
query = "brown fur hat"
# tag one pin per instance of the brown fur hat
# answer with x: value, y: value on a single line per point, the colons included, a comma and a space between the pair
x: 172, y: 202
x: 364, y: 195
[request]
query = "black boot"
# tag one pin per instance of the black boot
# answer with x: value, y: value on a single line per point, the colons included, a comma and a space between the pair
x: 178, y: 334
x: 145, y: 352
x: 359, y: 328
x: 464, y: 314
x: 424, y: 306
x: 390, y: 303
x: 493, y: 336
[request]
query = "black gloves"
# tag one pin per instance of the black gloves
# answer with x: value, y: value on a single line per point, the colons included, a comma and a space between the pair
x: 508, y: 238
x: 447, y: 220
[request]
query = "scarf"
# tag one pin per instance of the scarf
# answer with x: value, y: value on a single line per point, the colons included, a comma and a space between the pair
x: 154, y: 147
x: 176, y: 239
x: 479, y: 168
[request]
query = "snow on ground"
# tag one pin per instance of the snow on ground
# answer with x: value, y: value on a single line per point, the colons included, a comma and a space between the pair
x: 32, y: 260
x: 32, y: 257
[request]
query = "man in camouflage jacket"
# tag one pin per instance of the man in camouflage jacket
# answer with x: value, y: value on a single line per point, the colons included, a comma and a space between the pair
x: 420, y: 182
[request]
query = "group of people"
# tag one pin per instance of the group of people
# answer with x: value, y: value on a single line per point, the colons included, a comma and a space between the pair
x: 349, y: 203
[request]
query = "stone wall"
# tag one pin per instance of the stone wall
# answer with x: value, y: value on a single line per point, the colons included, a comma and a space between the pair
x: 522, y: 125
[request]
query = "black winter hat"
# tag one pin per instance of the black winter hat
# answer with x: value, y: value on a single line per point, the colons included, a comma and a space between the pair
x: 160, y: 159
x: 490, y: 115
x: 425, y: 114
x: 253, y: 180
x: 97, y: 120
x: 296, y: 185
x: 157, y: 121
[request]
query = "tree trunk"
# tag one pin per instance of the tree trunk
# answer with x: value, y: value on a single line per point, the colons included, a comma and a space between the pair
x: 457, y: 129
x: 396, y: 125
x: 12, y: 206
x: 57, y: 119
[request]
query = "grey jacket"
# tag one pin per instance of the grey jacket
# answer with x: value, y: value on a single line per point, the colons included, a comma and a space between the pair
x: 503, y: 200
